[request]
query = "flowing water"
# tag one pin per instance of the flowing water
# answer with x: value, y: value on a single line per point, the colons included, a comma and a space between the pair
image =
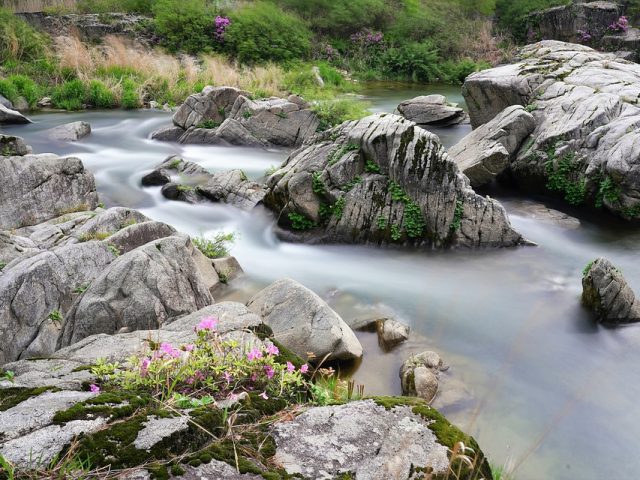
x: 544, y: 388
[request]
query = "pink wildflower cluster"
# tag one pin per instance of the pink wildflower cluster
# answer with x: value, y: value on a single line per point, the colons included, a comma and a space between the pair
x: 221, y: 24
x: 620, y: 26
x: 368, y: 38
x: 583, y: 36
x: 207, y: 323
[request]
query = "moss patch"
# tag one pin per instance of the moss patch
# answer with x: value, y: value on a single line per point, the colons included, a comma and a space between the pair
x: 10, y: 397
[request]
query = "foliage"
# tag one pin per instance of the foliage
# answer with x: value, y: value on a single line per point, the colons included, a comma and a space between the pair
x: 418, y: 62
x: 70, y: 95
x: 457, y: 216
x: 587, y: 268
x: 99, y: 95
x: 18, y: 40
x: 371, y: 167
x: 210, y: 368
x: 317, y: 185
x: 262, y: 32
x: 608, y: 191
x: 186, y: 25
x: 512, y: 14
x: 300, y: 222
x: 413, y: 224
x: 216, y: 248
x: 566, y: 177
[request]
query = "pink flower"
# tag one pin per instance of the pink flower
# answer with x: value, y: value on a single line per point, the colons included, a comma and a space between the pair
x: 188, y: 348
x: 268, y: 369
x: 207, y: 323
x: 144, y: 366
x: 254, y: 354
x: 228, y: 377
x: 273, y: 350
x: 254, y: 377
x: 290, y: 367
x: 168, y: 350
x: 94, y: 388
x: 304, y: 368
x: 264, y: 395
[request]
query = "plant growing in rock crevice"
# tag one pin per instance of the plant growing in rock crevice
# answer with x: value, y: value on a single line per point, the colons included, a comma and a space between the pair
x: 217, y: 247
x: 564, y: 175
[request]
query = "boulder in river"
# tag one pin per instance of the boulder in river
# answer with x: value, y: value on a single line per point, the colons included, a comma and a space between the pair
x: 6, y: 103
x: 304, y: 323
x: 36, y: 188
x: 585, y: 143
x: 10, y: 116
x: 489, y: 149
x: 382, y: 180
x: 69, y: 132
x: 432, y: 110
x: 419, y: 375
x: 607, y: 293
x: 11, y: 146
x: 226, y: 115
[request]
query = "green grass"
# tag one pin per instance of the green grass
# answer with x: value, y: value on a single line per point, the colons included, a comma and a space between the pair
x: 217, y: 247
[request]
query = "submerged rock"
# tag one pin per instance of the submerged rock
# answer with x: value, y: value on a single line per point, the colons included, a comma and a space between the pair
x: 607, y: 293
x: 304, y: 323
x: 36, y: 188
x: 419, y: 375
x: 10, y: 116
x: 432, y: 110
x: 383, y: 180
x: 584, y: 146
x: 69, y: 132
x: 488, y: 150
x: 226, y: 115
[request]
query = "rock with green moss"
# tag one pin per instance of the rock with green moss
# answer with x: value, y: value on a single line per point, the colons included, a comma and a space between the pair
x: 585, y: 144
x: 607, y: 293
x: 383, y: 180
x: 13, y: 146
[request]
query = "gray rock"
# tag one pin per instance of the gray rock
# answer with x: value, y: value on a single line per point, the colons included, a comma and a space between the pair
x: 36, y: 188
x: 352, y: 168
x: 234, y: 188
x: 169, y: 133
x: 215, y: 470
x: 138, y: 234
x: 32, y: 290
x: 183, y: 193
x: 233, y: 132
x: 70, y: 132
x: 419, y: 375
x: 108, y: 222
x: 431, y: 110
x: 6, y: 103
x: 9, y: 116
x: 488, y: 150
x: 157, y: 429
x: 13, y: 146
x: 227, y: 268
x: 41, y: 446
x: 13, y: 246
x: 213, y: 103
x: 391, y: 333
x: 155, y: 178
x: 145, y: 288
x: 45, y: 102
x: 359, y: 437
x: 21, y: 104
x: 57, y: 373
x: 37, y: 412
x: 607, y: 293
x: 585, y: 144
x: 304, y: 323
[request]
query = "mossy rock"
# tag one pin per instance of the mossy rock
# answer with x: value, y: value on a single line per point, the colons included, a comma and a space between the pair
x: 12, y: 396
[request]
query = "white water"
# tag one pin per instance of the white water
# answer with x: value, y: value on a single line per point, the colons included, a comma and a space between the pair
x: 508, y: 321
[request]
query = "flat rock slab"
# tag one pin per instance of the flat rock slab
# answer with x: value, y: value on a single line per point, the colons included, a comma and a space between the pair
x: 360, y: 437
x: 431, y: 110
x: 45, y: 372
x: 157, y: 429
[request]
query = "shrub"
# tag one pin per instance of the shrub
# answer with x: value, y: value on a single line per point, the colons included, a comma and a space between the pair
x: 186, y: 25
x: 262, y: 32
x: 334, y: 112
x: 99, y: 95
x: 130, y: 98
x: 70, y: 95
x: 418, y: 62
x: 18, y: 40
x: 216, y: 248
x: 26, y: 88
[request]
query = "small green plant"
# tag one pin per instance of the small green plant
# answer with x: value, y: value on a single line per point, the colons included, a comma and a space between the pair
x: 562, y: 178
x: 282, y: 115
x: 339, y: 152
x: 247, y: 114
x: 457, y: 216
x: 7, y: 468
x: 217, y: 247
x: 2, y: 265
x: 7, y: 375
x: 397, y: 193
x: 317, y: 185
x: 271, y: 170
x: 86, y: 237
x: 381, y: 223
x: 608, y: 191
x: 371, y: 167
x: 587, y: 268
x: 81, y: 288
x: 347, y: 187
x: 114, y: 250
x: 56, y: 317
x: 396, y: 234
x: 532, y: 107
x: 175, y: 163
x: 209, y: 124
x: 414, y: 223
x: 338, y: 208
x: 186, y: 188
x: 300, y: 222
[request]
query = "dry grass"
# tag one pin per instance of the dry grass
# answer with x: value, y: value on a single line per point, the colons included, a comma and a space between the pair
x: 37, y: 5
x: 484, y: 45
x: 179, y: 76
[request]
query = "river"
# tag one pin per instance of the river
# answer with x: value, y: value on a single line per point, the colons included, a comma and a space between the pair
x: 548, y: 391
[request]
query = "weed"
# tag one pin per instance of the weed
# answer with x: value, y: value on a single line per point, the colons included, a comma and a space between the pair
x: 209, y: 124
x: 371, y: 167
x: 457, y: 216
x: 300, y: 222
x: 561, y: 177
x: 217, y: 247
x: 587, y: 268
x: 56, y: 317
x: 317, y: 185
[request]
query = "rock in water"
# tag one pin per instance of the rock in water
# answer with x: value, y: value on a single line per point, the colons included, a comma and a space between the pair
x: 13, y: 146
x: 431, y: 110
x: 488, y: 150
x: 36, y: 188
x: 70, y: 132
x: 145, y: 288
x: 607, y: 293
x: 383, y: 180
x: 10, y: 116
x: 419, y: 375
x: 585, y: 144
x: 304, y: 323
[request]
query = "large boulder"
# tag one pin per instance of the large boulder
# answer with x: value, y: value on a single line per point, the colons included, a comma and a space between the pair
x: 383, y: 180
x: 607, y: 293
x: 304, y: 323
x: 488, y: 150
x: 431, y: 110
x: 36, y: 188
x: 372, y: 439
x: 226, y: 115
x: 585, y: 143
x: 6, y: 102
x: 10, y: 116
x: 69, y: 132
x: 145, y: 288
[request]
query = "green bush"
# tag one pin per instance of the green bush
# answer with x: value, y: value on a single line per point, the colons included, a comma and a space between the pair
x: 511, y: 14
x: 130, y: 98
x: 184, y: 25
x: 8, y: 90
x: 99, y: 95
x: 70, y: 95
x: 18, y: 40
x: 334, y: 112
x: 456, y: 72
x: 418, y: 62
x: 262, y: 32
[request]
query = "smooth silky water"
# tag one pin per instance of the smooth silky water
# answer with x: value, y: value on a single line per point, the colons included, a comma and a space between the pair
x: 547, y: 389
